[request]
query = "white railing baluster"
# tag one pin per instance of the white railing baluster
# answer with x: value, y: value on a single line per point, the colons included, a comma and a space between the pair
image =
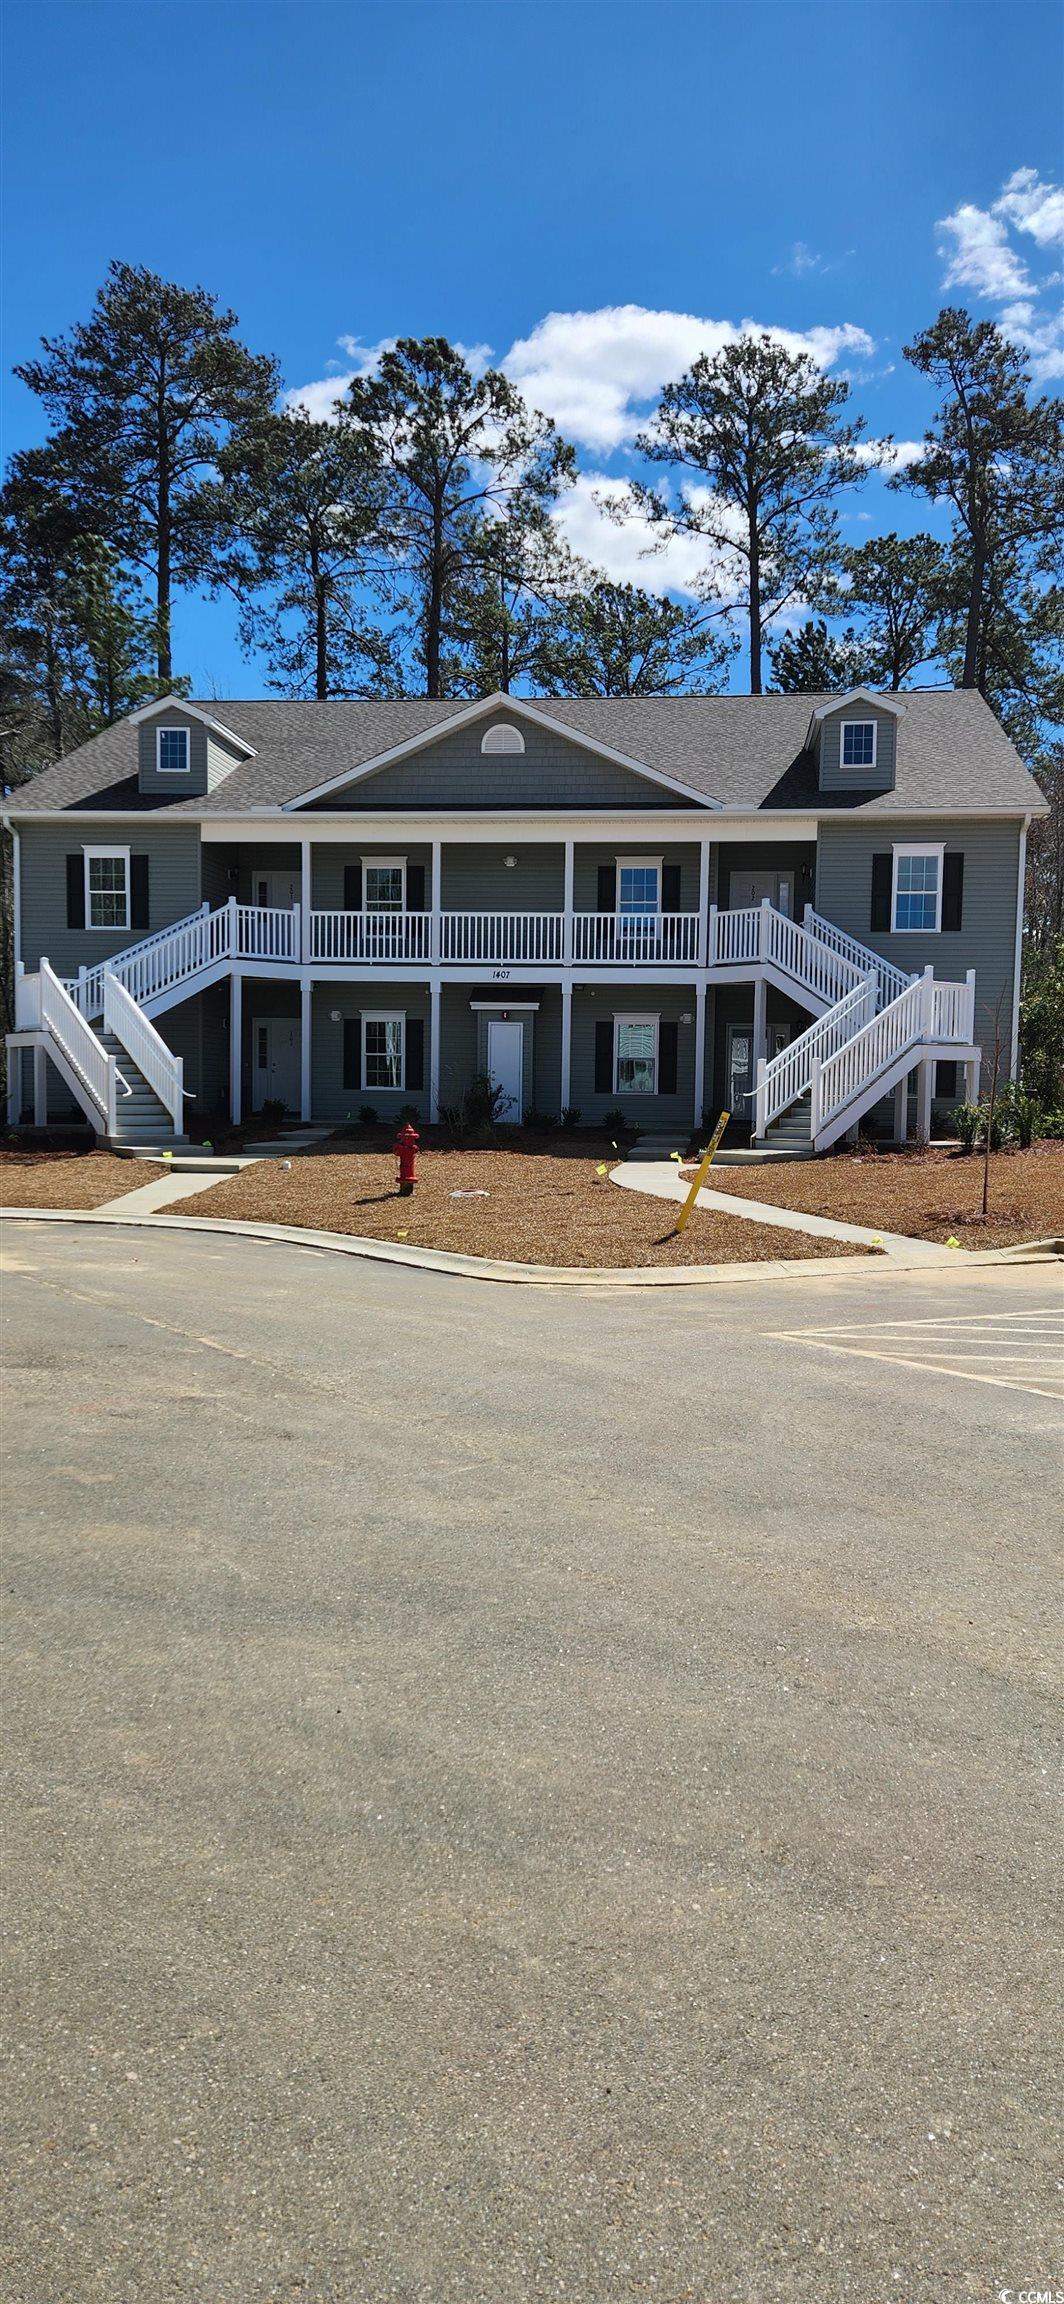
x: 163, y: 1071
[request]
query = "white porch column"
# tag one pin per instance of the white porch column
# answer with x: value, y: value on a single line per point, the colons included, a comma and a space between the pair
x: 304, y: 902
x: 700, y: 1050
x: 236, y: 1018
x: 435, y: 1002
x: 567, y: 1039
x: 567, y: 908
x: 40, y: 1088
x: 305, y: 1045
x: 925, y: 1075
x: 703, y: 908
x: 435, y: 930
x: 760, y: 1047
x: 971, y: 1081
x: 901, y: 1110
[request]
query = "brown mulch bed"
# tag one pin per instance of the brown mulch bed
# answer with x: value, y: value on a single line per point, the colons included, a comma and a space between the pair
x: 927, y: 1195
x: 47, y: 1179
x: 549, y: 1207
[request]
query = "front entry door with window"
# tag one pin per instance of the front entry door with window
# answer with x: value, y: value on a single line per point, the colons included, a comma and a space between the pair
x: 275, y: 1073
x: 277, y: 891
x: 753, y: 887
x: 506, y: 1059
x: 740, y: 1072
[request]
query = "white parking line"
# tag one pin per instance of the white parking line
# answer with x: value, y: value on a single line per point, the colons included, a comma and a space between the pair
x: 1018, y: 1352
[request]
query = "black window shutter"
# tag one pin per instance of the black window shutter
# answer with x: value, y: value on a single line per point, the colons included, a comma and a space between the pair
x: 670, y: 887
x: 604, y: 1056
x: 415, y: 887
x: 415, y: 1051
x: 76, y: 890
x: 668, y: 1036
x: 138, y: 892
x: 352, y: 1052
x: 882, y: 878
x: 352, y: 887
x: 952, y: 887
x: 946, y: 1077
x: 607, y: 888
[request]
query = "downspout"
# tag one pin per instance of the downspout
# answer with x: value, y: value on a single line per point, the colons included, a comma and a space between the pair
x: 1018, y: 956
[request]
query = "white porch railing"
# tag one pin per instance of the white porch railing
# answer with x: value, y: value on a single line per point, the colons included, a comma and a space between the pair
x: 759, y: 935
x: 370, y: 936
x: 629, y: 940
x: 529, y: 937
x: 163, y: 1071
x: 891, y: 980
x: 783, y: 1079
x: 924, y: 1013
x: 264, y: 931
x: 45, y: 1005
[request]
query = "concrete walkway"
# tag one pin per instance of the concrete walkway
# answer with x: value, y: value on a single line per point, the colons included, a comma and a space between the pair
x: 662, y: 1179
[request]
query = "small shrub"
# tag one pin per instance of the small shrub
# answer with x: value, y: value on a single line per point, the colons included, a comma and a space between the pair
x: 1053, y: 1125
x: 476, y: 1114
x: 1021, y: 1114
x: 274, y: 1110
x: 408, y: 1112
x: 616, y: 1123
x: 538, y: 1123
x: 966, y: 1120
x: 367, y: 1116
x: 570, y: 1116
x: 972, y: 1119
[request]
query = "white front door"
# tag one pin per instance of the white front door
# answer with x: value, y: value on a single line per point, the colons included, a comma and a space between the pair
x: 275, y: 1062
x: 506, y: 1054
x: 752, y: 888
x: 276, y: 890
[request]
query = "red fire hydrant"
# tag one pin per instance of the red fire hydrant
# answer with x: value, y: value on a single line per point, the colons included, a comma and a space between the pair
x: 405, y: 1149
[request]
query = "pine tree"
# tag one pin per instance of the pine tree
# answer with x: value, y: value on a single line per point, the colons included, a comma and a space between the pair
x: 616, y: 640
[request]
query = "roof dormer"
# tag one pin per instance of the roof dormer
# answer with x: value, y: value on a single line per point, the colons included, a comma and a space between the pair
x: 181, y: 751
x: 854, y: 740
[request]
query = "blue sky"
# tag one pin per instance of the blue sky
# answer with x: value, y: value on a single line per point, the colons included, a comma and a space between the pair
x: 651, y: 174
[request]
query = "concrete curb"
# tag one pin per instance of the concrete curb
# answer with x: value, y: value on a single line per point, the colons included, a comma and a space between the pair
x: 527, y: 1275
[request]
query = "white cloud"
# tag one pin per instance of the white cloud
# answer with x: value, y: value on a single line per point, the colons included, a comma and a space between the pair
x: 623, y: 551
x: 981, y: 257
x: 599, y: 373
x: 889, y: 456
x: 319, y: 398
x: 1033, y: 207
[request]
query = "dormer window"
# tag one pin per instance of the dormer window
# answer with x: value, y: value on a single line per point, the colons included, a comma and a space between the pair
x: 858, y: 743
x: 502, y: 737
x: 171, y: 751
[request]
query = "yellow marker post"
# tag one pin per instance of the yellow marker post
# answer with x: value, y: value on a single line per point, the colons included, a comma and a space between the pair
x: 704, y: 1167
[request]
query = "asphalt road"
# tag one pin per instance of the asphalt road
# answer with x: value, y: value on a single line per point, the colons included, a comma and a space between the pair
x: 518, y: 1795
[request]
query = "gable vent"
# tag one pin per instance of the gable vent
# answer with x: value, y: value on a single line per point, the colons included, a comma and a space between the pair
x: 502, y: 737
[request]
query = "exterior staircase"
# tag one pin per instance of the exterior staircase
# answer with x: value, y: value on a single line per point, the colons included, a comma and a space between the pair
x: 141, y: 1117
x: 126, y: 1080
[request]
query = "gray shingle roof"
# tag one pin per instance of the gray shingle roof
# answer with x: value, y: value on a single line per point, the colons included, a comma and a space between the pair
x: 743, y: 751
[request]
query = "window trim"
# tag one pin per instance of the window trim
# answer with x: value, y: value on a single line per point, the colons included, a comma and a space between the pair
x: 173, y: 729
x: 384, y: 1016
x: 916, y: 848
x: 107, y: 927
x: 383, y: 864
x: 638, y: 864
x: 862, y: 767
x: 635, y: 1016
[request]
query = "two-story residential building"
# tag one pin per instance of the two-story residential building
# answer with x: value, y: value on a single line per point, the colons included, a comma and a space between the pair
x: 793, y: 907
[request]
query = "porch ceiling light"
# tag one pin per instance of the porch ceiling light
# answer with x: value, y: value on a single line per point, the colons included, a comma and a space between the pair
x: 509, y: 862
x: 335, y: 1016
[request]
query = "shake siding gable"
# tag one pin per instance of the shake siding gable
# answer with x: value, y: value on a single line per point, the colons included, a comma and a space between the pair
x: 552, y: 772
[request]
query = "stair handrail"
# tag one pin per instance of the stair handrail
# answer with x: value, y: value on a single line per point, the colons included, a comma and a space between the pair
x: 891, y: 979
x: 163, y: 1071
x: 87, y: 1056
x: 201, y: 938
x: 783, y: 1078
x: 926, y: 1011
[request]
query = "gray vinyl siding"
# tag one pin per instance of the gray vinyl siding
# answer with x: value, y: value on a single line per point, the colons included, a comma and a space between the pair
x: 662, y: 1000
x: 328, y: 864
x: 552, y: 772
x: 210, y: 759
x: 331, y: 1101
x: 458, y: 1043
x: 173, y: 853
x: 834, y: 777
x: 547, y: 1051
x: 734, y: 857
x: 474, y: 879
x: 986, y: 938
x: 588, y: 858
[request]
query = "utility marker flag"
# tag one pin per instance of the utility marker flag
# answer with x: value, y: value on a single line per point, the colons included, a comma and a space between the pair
x: 702, y: 1172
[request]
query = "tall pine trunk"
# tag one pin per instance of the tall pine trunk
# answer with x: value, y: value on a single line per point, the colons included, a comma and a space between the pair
x: 164, y: 660
x: 321, y: 631
x: 755, y: 610
x: 434, y: 604
x: 973, y: 630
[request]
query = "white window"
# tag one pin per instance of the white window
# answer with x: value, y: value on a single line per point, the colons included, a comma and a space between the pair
x: 639, y: 887
x: 385, y: 884
x: 916, y: 902
x: 635, y: 1061
x: 383, y: 1041
x: 107, y: 887
x: 171, y: 751
x: 858, y: 743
